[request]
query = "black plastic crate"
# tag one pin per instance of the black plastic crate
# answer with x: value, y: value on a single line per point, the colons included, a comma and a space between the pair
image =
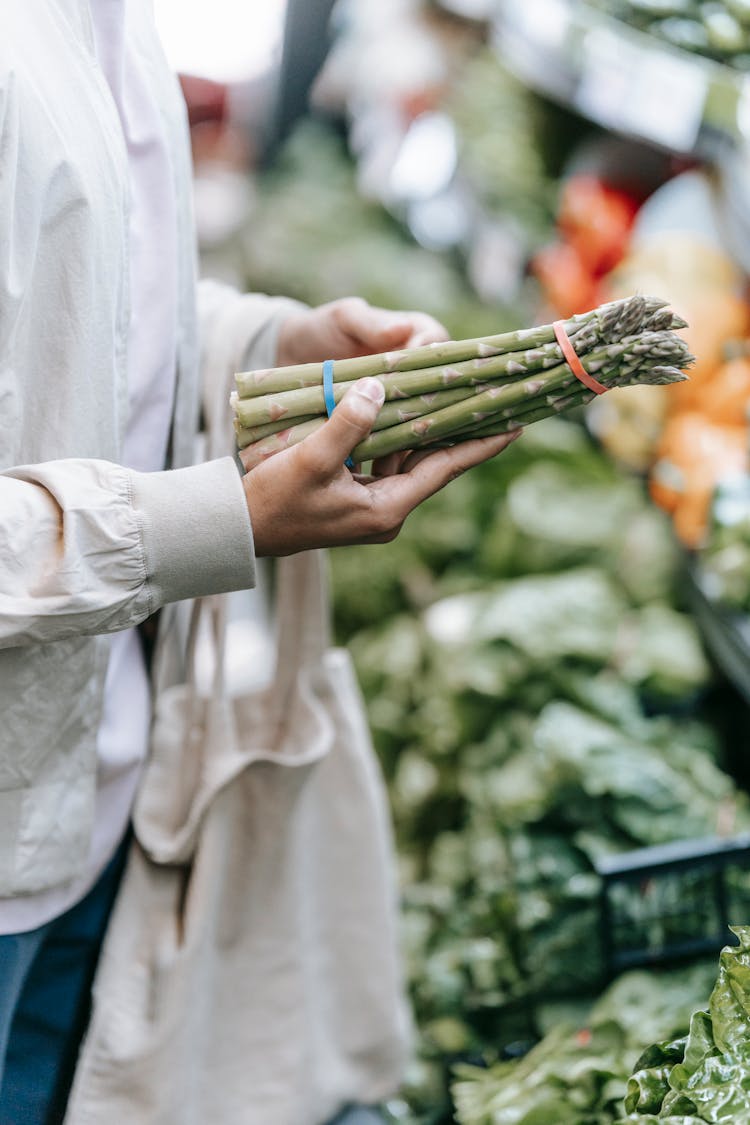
x: 666, y: 904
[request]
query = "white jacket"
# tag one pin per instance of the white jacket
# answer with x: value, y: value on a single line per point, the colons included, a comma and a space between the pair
x: 86, y: 546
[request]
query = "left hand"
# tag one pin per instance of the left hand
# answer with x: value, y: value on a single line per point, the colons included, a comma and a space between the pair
x: 351, y: 327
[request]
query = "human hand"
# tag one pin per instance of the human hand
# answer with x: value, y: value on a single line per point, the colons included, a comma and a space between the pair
x: 305, y: 497
x: 351, y: 327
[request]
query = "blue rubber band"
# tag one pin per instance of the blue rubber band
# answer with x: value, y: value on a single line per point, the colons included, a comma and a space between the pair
x: 330, y: 401
x: 328, y: 397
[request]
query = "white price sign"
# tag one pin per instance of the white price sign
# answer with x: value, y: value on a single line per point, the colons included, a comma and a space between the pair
x: 646, y: 93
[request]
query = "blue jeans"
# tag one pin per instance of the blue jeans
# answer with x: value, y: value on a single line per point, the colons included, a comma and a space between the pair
x: 45, y: 991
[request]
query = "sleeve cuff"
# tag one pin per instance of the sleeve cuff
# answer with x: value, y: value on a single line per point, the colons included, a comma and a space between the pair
x: 195, y: 527
x: 261, y: 344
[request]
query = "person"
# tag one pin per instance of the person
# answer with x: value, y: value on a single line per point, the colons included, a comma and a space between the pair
x: 106, y: 518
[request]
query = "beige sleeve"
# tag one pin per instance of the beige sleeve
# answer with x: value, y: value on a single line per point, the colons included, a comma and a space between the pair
x: 90, y: 547
x: 238, y: 332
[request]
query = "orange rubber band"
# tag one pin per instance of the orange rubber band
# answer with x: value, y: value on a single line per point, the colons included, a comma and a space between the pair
x: 573, y: 361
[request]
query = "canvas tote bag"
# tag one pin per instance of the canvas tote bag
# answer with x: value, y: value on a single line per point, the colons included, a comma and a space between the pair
x: 250, y: 974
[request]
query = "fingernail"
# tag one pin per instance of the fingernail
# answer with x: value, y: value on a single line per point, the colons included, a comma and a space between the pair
x: 372, y: 389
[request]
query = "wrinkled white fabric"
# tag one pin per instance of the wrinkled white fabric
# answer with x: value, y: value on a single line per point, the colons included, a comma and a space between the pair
x: 87, y: 546
x: 151, y: 368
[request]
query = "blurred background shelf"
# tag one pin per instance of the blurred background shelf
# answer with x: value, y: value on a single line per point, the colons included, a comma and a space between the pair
x: 623, y: 78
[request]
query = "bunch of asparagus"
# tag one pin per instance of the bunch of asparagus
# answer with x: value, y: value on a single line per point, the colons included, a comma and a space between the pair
x: 443, y: 393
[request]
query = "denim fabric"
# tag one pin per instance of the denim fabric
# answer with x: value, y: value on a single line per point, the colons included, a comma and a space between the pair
x: 17, y: 952
x: 45, y: 988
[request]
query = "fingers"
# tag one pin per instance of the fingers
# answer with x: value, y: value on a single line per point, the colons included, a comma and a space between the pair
x: 374, y: 329
x: 381, y: 329
x: 326, y: 450
x: 425, y: 474
x: 390, y: 465
x: 419, y: 339
x: 426, y: 330
x: 349, y: 327
x: 307, y: 498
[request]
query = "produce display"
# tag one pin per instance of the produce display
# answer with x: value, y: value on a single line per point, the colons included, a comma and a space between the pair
x: 688, y: 438
x: 531, y: 688
x: 703, y: 1076
x: 719, y: 29
x: 697, y: 1071
x: 538, y: 694
x: 495, y: 114
x: 693, y: 456
x: 469, y: 388
x: 579, y: 1071
x: 704, y: 437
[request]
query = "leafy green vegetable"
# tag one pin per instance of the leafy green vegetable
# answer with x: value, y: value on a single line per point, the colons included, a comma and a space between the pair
x: 510, y: 717
x: 705, y: 1077
x: 576, y: 1075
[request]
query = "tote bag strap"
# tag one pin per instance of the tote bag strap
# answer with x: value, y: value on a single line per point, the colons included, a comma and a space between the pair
x: 219, y: 442
x: 303, y: 626
x: 301, y: 597
x: 303, y: 620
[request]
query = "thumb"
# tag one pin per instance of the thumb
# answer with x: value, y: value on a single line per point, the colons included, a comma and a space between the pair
x: 349, y: 424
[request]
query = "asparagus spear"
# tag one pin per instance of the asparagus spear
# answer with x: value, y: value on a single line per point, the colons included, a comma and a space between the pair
x: 470, y: 387
x: 545, y: 406
x: 614, y: 365
x: 443, y: 423
x: 398, y: 410
x: 247, y: 435
x: 608, y: 321
x: 286, y: 406
x: 275, y: 379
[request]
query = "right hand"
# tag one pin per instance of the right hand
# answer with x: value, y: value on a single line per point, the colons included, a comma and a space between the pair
x: 305, y: 497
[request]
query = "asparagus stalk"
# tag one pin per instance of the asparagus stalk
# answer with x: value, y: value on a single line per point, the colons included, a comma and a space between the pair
x: 663, y: 352
x: 613, y: 365
x: 275, y: 379
x: 288, y: 405
x: 616, y: 319
x: 538, y: 410
x: 285, y: 407
x: 246, y: 435
x: 451, y: 391
x: 398, y: 410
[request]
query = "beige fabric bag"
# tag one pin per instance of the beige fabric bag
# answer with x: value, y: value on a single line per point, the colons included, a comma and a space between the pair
x: 250, y: 973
